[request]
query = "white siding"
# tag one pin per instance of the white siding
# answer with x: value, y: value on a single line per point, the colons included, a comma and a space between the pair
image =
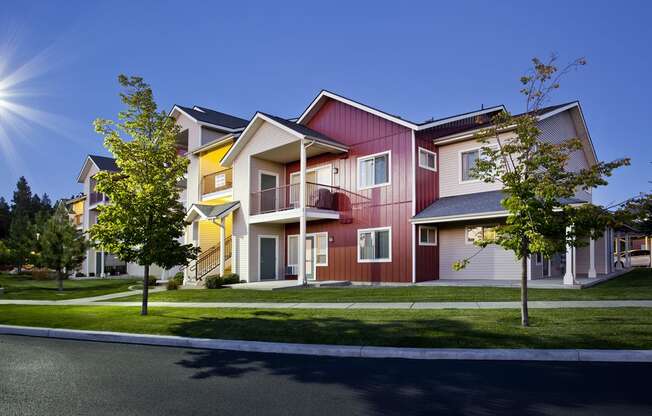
x: 492, y: 263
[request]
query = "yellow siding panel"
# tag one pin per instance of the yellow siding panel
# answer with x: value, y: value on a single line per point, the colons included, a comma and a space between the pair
x: 209, y: 162
x: 209, y: 233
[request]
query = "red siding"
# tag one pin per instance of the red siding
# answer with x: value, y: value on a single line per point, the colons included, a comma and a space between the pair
x: 390, y: 205
x: 427, y: 192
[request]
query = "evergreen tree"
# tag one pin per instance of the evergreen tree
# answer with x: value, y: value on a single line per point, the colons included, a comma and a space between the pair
x: 21, y: 240
x: 22, y: 202
x: 5, y: 218
x: 63, y: 247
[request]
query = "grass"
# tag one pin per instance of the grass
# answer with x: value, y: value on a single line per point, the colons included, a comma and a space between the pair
x: 624, y: 328
x: 24, y: 287
x: 635, y: 285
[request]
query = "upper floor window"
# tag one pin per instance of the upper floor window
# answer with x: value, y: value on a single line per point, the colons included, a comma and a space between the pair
x: 427, y: 159
x: 469, y: 159
x: 373, y: 170
x: 375, y: 245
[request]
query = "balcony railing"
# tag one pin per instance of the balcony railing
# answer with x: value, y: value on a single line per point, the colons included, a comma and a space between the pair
x: 97, y: 197
x: 318, y: 196
x: 216, y: 182
x: 78, y: 219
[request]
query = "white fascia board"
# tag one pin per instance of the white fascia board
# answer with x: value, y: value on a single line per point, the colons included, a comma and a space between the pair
x: 327, y: 94
x: 194, y: 210
x: 210, y: 146
x: 451, y: 218
x: 461, y: 117
x: 88, y: 159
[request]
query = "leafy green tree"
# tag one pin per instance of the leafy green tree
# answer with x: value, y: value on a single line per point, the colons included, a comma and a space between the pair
x: 536, y: 181
x: 638, y: 212
x: 5, y: 218
x: 21, y: 240
x: 5, y: 255
x: 145, y: 220
x: 63, y: 247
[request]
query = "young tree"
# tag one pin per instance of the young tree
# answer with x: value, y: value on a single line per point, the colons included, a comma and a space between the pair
x: 145, y: 220
x: 536, y: 180
x: 21, y: 240
x: 63, y: 247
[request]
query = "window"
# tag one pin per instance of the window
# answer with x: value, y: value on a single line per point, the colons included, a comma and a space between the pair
x: 427, y: 236
x: 321, y: 254
x: 321, y: 249
x: 538, y: 259
x: 480, y: 233
x: 374, y: 170
x: 374, y: 245
x: 220, y: 180
x: 468, y: 161
x: 427, y: 159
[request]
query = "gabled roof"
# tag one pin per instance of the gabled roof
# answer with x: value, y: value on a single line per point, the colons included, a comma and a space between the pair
x: 209, y: 212
x: 325, y: 95
x: 470, y: 206
x: 211, y: 118
x: 297, y: 130
x: 101, y: 162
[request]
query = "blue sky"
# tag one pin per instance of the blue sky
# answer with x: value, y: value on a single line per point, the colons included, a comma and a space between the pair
x: 418, y: 60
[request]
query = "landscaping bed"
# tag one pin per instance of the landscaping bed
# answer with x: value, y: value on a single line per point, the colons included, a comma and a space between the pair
x: 623, y: 328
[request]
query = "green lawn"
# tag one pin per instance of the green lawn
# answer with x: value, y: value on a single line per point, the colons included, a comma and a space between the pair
x: 625, y: 328
x: 24, y: 287
x: 636, y: 285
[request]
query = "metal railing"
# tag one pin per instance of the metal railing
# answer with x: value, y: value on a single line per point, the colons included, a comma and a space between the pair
x: 97, y: 197
x: 217, y: 181
x: 318, y: 196
x: 209, y: 260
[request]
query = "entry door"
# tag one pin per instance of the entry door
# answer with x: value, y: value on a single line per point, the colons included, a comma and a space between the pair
x: 267, y: 258
x: 310, y: 257
x: 98, y: 263
x: 268, y: 185
x: 546, y: 267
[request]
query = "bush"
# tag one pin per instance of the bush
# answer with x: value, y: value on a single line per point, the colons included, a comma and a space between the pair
x: 151, y: 281
x: 178, y: 278
x: 216, y: 282
x: 172, y: 284
x: 40, y: 274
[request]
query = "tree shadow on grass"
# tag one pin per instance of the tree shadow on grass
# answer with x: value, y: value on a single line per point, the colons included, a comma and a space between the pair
x: 412, y: 386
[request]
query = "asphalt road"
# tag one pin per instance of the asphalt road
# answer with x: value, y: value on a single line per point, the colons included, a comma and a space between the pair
x: 58, y: 377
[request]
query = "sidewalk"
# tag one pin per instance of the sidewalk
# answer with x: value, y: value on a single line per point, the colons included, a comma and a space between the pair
x: 99, y: 301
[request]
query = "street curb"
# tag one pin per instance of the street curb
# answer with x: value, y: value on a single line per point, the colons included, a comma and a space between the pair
x: 501, y: 354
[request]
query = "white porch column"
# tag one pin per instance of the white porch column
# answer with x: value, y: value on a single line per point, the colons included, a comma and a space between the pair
x: 302, y: 217
x: 617, y: 241
x: 529, y: 267
x: 569, y: 276
x: 102, y: 265
x: 222, y: 242
x: 628, y: 258
x: 592, y: 272
x: 88, y: 262
x: 607, y: 241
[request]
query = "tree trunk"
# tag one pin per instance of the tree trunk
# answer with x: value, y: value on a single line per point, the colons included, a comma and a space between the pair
x: 60, y: 280
x: 143, y: 310
x: 525, y: 319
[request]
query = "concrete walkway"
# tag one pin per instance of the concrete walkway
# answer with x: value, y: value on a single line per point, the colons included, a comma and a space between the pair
x: 351, y: 305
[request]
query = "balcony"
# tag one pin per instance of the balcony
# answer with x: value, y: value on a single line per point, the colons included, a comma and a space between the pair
x: 216, y: 182
x: 281, y: 204
x: 78, y: 220
x: 97, y: 198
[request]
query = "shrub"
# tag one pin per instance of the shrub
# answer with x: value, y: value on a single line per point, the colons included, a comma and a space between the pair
x: 40, y: 274
x: 178, y: 278
x: 216, y: 282
x: 172, y: 284
x: 151, y: 281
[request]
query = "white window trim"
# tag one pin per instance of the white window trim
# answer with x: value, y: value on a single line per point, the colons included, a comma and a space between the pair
x: 459, y: 161
x: 317, y: 264
x: 312, y: 169
x: 427, y: 227
x: 468, y: 227
x: 365, y: 230
x: 275, y: 237
x: 430, y: 152
x: 389, y: 169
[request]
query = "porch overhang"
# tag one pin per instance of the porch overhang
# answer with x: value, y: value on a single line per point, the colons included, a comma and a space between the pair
x: 468, y: 207
x: 210, y: 212
x: 293, y: 215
